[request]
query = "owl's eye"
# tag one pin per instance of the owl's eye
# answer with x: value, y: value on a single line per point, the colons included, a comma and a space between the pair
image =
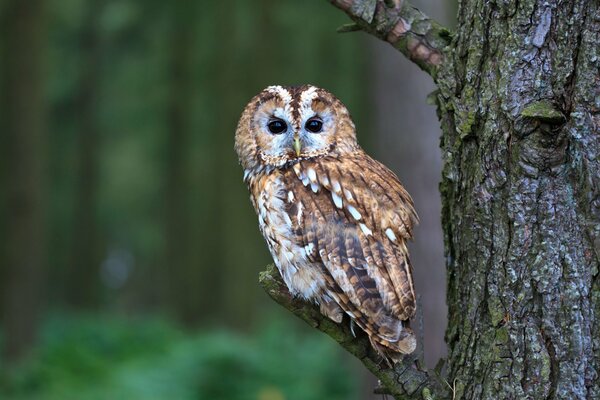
x: 314, y: 125
x: 277, y: 126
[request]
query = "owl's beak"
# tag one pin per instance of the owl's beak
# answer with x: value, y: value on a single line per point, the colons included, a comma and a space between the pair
x: 297, y: 146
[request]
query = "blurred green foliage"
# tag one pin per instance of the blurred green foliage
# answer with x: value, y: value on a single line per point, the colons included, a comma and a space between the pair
x: 92, y: 357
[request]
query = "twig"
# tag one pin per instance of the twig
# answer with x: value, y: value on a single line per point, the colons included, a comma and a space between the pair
x: 413, y: 33
x: 405, y: 381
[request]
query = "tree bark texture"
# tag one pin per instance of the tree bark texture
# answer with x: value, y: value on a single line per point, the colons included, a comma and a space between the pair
x: 519, y: 103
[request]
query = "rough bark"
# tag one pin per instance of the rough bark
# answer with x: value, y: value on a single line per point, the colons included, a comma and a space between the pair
x: 519, y: 102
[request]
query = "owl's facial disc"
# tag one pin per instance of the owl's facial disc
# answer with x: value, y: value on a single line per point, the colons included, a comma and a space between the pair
x: 295, y: 123
x: 283, y: 138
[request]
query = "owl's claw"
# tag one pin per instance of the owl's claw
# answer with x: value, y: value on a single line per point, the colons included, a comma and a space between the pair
x: 352, y: 327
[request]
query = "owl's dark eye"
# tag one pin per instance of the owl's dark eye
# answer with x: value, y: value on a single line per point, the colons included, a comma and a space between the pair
x: 277, y: 126
x: 314, y: 125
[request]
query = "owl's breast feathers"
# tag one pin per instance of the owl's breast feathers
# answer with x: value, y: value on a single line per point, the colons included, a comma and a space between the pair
x: 337, y: 230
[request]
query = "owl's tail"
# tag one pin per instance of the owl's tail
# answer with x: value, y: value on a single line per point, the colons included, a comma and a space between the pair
x: 390, y: 337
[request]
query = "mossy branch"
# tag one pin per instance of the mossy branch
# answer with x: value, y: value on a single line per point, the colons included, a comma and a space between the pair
x: 413, y: 33
x: 407, y: 380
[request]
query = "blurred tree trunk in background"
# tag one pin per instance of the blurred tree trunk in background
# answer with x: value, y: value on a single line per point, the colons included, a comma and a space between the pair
x: 233, y: 86
x: 83, y: 285
x: 231, y: 281
x: 24, y: 124
x: 183, y: 276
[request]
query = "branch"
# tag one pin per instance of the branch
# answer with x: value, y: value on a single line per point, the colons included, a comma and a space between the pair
x: 407, y: 380
x: 413, y: 33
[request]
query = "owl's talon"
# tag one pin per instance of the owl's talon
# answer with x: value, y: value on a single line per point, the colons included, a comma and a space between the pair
x: 352, y: 327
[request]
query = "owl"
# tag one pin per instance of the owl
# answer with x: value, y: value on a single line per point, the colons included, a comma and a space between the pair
x: 335, y: 220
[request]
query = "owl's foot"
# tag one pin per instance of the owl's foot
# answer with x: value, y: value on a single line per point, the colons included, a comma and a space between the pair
x: 352, y: 327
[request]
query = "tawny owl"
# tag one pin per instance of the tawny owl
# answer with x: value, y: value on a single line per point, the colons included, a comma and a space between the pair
x: 335, y: 220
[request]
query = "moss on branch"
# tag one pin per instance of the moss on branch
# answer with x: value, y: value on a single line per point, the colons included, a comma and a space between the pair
x: 407, y: 380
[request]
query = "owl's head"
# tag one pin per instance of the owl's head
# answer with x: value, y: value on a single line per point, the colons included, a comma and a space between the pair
x: 282, y: 125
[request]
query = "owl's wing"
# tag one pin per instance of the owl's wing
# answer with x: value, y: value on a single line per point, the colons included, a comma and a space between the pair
x: 355, y: 219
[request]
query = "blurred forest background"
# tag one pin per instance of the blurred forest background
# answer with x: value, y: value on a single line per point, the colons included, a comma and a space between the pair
x: 130, y: 251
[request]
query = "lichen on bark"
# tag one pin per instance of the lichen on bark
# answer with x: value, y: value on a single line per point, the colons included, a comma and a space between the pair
x: 520, y: 192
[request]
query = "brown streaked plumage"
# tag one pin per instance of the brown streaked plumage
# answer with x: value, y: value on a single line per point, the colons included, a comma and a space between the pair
x: 335, y: 220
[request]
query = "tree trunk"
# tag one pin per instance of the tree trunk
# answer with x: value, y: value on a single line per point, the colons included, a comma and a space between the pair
x: 23, y: 125
x: 181, y: 277
x: 519, y: 102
